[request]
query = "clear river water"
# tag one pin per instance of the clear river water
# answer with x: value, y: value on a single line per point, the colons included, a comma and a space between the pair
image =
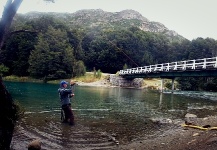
x: 105, y: 117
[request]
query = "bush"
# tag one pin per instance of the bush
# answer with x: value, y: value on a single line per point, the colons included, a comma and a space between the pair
x: 168, y: 85
x: 98, y: 74
x: 79, y: 69
x: 3, y: 70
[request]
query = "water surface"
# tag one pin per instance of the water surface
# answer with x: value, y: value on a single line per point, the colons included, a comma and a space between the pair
x: 104, y: 116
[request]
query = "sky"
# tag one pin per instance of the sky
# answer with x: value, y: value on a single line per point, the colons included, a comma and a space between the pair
x: 189, y: 18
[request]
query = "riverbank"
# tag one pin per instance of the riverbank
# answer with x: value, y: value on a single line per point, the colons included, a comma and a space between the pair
x: 88, y: 80
x: 179, y: 138
x: 154, y: 84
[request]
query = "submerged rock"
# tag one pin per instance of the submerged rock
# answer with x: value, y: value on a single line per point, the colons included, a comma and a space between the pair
x: 34, y: 145
x: 188, y: 115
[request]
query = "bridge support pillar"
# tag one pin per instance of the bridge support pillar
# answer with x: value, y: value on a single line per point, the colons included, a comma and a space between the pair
x: 173, y: 80
x: 162, y: 85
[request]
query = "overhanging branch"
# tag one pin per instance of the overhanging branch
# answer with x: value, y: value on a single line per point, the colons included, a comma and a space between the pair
x: 21, y: 31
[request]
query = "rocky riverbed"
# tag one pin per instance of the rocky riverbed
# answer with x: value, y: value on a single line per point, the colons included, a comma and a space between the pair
x: 178, y: 137
x: 161, y: 135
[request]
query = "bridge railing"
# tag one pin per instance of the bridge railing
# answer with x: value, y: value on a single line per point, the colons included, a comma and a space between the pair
x: 196, y: 64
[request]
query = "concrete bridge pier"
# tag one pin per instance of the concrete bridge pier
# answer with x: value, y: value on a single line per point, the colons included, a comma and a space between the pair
x: 162, y: 85
x: 173, y: 86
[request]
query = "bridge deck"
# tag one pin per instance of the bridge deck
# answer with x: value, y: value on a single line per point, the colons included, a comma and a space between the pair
x: 199, y: 67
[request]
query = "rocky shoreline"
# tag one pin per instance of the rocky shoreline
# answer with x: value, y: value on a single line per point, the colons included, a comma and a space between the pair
x: 148, y: 83
x: 178, y: 137
x: 172, y: 136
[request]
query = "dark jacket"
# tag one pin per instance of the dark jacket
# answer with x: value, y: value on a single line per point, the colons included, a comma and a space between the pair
x: 65, y: 95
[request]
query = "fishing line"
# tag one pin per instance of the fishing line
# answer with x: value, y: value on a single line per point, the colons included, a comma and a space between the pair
x: 121, y: 50
x: 123, y: 53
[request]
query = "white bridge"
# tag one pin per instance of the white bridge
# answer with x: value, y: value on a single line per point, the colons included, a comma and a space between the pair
x: 206, y: 67
x: 179, y: 66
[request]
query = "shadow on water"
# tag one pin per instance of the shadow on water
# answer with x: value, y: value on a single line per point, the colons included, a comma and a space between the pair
x: 105, y: 117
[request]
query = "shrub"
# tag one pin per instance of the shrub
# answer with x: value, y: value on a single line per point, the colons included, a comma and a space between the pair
x: 3, y: 70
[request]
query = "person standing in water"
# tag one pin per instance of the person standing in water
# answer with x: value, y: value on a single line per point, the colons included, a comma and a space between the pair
x: 65, y: 94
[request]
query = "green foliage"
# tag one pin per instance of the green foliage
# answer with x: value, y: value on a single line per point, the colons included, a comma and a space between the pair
x: 210, y: 84
x: 99, y: 74
x: 111, y: 49
x: 125, y: 66
x: 75, y: 38
x: 148, y: 58
x: 168, y: 85
x: 39, y: 59
x: 189, y: 83
x: 15, y: 78
x: 79, y: 69
x: 52, y: 50
x: 53, y: 56
x: 17, y: 51
x: 44, y: 22
x: 87, y: 78
x: 3, y: 70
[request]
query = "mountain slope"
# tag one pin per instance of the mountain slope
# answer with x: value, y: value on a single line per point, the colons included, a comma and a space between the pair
x: 97, y: 18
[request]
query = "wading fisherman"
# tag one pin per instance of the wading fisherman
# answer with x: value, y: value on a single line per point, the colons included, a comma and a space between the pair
x: 65, y: 94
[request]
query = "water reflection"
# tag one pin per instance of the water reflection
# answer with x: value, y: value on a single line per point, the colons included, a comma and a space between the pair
x: 99, y: 112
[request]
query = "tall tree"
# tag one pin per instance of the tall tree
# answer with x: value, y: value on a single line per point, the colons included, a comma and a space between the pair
x: 16, y: 51
x: 6, y: 102
x: 53, y: 56
x: 9, y: 12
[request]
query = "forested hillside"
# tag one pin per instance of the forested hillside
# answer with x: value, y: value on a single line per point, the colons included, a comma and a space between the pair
x: 56, y: 45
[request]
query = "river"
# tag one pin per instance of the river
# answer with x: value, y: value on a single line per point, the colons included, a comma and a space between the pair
x: 105, y: 117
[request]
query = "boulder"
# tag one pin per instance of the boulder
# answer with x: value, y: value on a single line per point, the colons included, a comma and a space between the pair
x: 34, y: 145
x: 190, y: 119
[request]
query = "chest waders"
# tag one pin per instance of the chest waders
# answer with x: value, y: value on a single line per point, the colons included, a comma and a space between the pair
x: 63, y: 113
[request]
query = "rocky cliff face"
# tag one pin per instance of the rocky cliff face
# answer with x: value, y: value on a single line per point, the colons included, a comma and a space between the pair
x: 126, y: 18
x: 91, y: 18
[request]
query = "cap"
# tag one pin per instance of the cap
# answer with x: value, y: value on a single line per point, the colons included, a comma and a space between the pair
x: 63, y: 82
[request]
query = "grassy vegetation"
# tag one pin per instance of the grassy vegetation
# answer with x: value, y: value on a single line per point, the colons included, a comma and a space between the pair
x: 20, y: 79
x: 91, y: 77
x: 87, y: 78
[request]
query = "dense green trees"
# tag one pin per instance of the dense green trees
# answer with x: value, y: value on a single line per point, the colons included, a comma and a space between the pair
x: 109, y: 50
x: 53, y: 56
x: 16, y: 53
x: 3, y: 70
x: 79, y: 68
x: 52, y: 50
x: 196, y: 49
